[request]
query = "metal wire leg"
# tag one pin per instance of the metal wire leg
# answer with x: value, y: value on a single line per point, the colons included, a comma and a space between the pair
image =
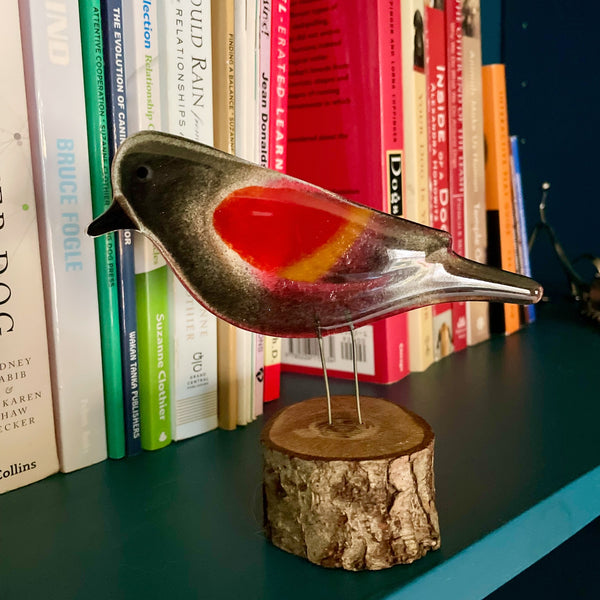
x: 320, y: 338
x: 355, y: 370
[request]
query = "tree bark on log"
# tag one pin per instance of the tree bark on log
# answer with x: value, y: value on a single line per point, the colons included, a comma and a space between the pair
x: 348, y: 495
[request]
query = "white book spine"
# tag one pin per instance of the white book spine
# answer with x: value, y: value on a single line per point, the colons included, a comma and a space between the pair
x: 186, y: 67
x: 247, y: 146
x: 54, y: 75
x: 478, y: 328
x: 416, y: 193
x: 27, y: 441
x: 246, y: 89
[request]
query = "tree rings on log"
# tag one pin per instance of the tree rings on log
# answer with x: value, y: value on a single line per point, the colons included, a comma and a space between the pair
x: 349, y: 495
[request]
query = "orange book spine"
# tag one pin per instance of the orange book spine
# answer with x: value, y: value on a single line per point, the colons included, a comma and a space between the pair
x: 497, y: 176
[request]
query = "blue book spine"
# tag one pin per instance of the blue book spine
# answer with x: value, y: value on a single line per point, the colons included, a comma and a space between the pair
x: 520, y: 223
x: 114, y: 61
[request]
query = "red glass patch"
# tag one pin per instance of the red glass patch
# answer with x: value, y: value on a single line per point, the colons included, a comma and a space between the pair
x: 274, y: 228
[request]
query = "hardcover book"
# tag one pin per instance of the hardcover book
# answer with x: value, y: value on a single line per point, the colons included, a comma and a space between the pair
x: 59, y: 146
x: 456, y: 167
x: 27, y: 440
x: 436, y: 72
x: 504, y: 318
x: 416, y: 183
x: 106, y: 267
x: 116, y: 105
x: 140, y: 26
x: 345, y: 134
x: 186, y: 98
x: 478, y: 322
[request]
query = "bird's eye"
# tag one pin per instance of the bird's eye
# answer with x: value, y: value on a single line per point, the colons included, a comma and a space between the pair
x: 143, y: 173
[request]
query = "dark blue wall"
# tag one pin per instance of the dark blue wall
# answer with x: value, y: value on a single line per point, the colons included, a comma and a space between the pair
x: 551, y: 52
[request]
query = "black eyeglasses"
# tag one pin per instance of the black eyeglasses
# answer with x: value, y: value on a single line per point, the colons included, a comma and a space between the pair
x: 585, y: 293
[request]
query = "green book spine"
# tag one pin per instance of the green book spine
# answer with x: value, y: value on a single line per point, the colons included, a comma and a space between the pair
x: 153, y: 351
x: 93, y: 72
x: 142, y: 69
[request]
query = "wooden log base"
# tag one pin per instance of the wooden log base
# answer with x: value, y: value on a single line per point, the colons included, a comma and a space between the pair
x: 349, y: 495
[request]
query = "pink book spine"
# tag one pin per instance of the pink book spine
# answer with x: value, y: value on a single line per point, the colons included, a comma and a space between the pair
x: 278, y: 109
x: 456, y: 154
x: 280, y: 41
x: 437, y: 107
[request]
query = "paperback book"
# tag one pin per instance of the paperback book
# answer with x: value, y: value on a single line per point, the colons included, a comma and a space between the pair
x: 436, y: 72
x: 456, y: 167
x: 27, y: 440
x: 116, y: 105
x: 140, y: 43
x: 59, y: 146
x: 187, y: 108
x: 345, y: 133
x: 478, y: 325
x: 416, y: 168
x: 502, y: 251
x: 223, y: 56
x: 106, y: 267
x: 274, y: 58
x: 523, y: 263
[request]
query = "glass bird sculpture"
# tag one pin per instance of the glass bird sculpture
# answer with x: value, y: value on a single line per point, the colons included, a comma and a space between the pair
x: 278, y: 256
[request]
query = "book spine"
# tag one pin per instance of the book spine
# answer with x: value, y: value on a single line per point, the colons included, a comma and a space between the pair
x: 501, y: 246
x: 151, y: 272
x: 416, y: 190
x: 245, y: 375
x: 186, y: 96
x: 456, y: 179
x: 524, y: 264
x: 223, y: 55
x: 265, y: 35
x: 389, y: 36
x: 259, y: 375
x: 116, y: 105
x: 226, y: 375
x: 246, y: 91
x: 478, y: 322
x: 335, y: 110
x: 27, y: 440
x: 277, y: 146
x: 53, y: 64
x: 278, y: 82
x: 108, y: 297
x: 437, y: 110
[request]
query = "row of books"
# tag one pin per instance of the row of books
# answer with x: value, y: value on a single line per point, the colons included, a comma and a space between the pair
x: 103, y: 353
x: 388, y: 105
x: 400, y: 115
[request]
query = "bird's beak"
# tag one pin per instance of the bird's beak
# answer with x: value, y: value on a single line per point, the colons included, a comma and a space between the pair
x: 112, y: 219
x: 482, y: 282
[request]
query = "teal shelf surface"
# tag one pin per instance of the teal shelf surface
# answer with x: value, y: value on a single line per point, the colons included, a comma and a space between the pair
x: 517, y: 472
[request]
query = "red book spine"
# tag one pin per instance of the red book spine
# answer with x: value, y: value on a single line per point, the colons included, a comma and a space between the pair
x: 277, y: 156
x: 436, y: 73
x: 280, y: 42
x: 456, y: 154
